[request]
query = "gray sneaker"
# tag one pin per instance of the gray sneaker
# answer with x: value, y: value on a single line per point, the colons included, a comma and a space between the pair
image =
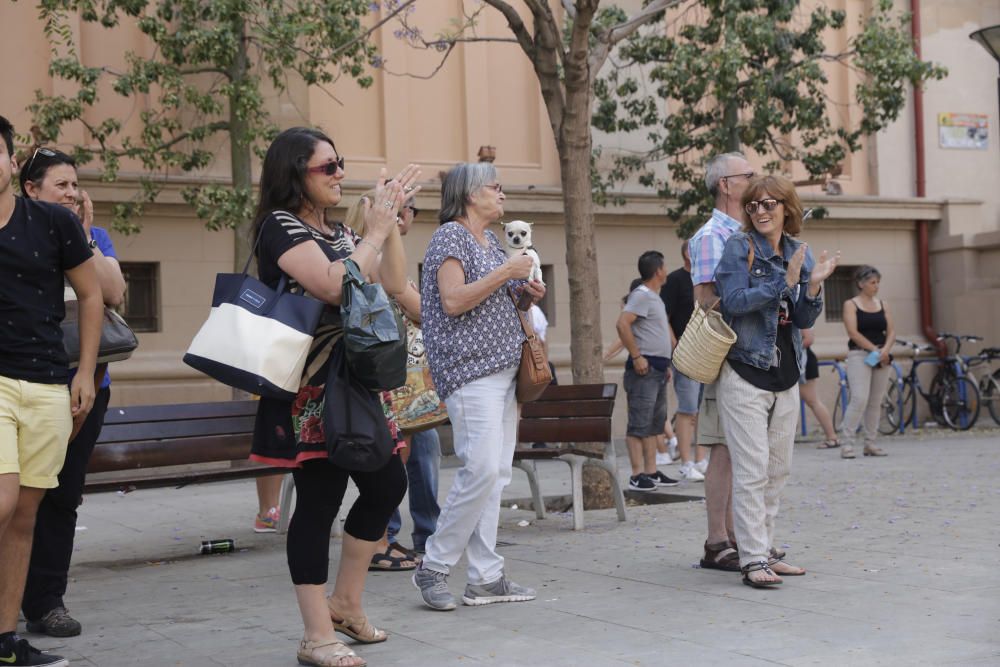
x: 501, y: 590
x: 433, y: 587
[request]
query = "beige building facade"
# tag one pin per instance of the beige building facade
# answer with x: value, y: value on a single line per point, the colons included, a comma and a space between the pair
x: 486, y: 94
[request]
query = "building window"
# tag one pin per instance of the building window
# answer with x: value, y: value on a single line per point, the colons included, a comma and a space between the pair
x: 141, y: 308
x: 837, y: 289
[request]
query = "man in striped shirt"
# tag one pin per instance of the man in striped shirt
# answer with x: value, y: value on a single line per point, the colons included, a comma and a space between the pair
x: 726, y: 177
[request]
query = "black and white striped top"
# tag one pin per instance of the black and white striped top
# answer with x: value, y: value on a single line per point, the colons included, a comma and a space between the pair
x: 280, y: 232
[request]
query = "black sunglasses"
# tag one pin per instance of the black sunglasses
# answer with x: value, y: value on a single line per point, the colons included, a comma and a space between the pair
x: 769, y: 204
x: 329, y: 169
x: 44, y: 151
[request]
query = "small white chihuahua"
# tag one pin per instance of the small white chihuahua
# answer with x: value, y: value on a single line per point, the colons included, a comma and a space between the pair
x: 517, y: 234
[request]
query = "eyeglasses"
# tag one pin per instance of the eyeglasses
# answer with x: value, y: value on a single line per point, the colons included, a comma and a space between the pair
x: 329, y: 169
x: 748, y: 175
x: 495, y: 186
x: 44, y: 151
x: 769, y: 204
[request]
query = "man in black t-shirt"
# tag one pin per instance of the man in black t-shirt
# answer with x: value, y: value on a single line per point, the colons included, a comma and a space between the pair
x: 678, y: 296
x: 40, y: 244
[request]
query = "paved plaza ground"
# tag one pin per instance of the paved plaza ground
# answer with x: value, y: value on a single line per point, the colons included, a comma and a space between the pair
x: 902, y: 554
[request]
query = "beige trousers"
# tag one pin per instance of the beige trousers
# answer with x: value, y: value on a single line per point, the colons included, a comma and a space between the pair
x: 760, y: 433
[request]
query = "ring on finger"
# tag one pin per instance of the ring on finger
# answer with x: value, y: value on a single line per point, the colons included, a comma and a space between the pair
x: 388, y: 204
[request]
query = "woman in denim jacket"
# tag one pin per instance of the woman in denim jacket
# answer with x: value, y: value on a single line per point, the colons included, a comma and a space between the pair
x: 770, y: 286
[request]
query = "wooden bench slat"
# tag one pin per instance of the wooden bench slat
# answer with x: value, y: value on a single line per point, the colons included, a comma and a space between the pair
x: 567, y: 409
x: 176, y: 411
x: 155, y: 453
x: 181, y: 478
x: 554, y: 452
x: 580, y: 429
x: 579, y: 392
x: 162, y: 430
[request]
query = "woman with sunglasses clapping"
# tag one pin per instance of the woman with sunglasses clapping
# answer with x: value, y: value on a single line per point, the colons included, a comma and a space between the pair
x: 770, y: 288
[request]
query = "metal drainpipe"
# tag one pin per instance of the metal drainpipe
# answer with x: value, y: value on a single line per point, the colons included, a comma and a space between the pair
x: 923, y: 226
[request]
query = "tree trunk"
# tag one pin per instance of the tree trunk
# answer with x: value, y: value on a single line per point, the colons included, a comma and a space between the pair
x: 574, y: 146
x: 239, y: 142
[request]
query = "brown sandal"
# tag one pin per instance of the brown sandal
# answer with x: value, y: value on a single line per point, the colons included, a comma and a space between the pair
x: 828, y: 444
x: 874, y: 451
x: 721, y: 556
x: 358, y: 628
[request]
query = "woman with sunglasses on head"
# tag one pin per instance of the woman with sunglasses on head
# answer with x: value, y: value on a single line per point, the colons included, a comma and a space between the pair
x: 770, y: 288
x: 50, y: 176
x: 300, y: 179
x: 422, y: 454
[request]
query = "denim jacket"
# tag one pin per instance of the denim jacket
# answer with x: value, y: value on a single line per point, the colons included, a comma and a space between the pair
x: 750, y: 299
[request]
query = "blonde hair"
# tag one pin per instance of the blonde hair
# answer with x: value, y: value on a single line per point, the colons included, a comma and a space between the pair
x: 781, y: 189
x: 355, y: 218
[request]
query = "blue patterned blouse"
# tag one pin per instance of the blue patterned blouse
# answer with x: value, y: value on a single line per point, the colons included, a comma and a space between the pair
x: 477, y: 343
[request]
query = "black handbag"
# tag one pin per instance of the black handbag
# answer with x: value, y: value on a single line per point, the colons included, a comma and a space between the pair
x: 117, y: 340
x: 356, y: 430
x: 374, y: 333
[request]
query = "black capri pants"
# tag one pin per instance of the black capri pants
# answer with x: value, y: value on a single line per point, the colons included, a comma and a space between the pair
x: 320, y: 487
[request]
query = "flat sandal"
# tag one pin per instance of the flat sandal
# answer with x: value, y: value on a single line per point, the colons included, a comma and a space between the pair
x: 367, y: 634
x: 325, y: 653
x: 760, y: 566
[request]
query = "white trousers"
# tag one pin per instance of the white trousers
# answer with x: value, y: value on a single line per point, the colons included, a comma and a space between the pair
x: 760, y: 433
x: 483, y: 417
x: 868, y: 386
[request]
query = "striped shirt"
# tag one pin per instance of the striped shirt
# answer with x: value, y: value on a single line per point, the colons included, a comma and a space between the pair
x: 707, y: 244
x: 280, y: 232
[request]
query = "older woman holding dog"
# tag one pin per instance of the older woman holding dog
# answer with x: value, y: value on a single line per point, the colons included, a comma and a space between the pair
x: 770, y: 287
x: 473, y: 338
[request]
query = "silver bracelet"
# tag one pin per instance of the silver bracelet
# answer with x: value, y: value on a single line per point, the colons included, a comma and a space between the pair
x: 372, y: 245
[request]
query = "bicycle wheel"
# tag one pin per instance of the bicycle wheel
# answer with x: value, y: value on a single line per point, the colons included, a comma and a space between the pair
x: 891, y: 414
x: 839, y: 409
x: 989, y: 390
x: 960, y: 403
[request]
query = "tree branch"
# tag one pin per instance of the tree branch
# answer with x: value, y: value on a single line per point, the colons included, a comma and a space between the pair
x: 516, y: 26
x: 611, y: 36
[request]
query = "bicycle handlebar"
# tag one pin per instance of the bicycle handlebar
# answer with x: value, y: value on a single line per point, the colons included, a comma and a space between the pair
x: 915, y: 346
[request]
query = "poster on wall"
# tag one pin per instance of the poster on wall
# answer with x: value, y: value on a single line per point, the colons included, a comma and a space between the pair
x: 969, y: 131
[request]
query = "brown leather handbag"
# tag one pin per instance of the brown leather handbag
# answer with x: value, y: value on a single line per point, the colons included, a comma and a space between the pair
x: 534, y: 374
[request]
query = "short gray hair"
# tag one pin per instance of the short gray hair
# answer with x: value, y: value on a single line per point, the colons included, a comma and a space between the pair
x: 716, y: 170
x: 464, y: 179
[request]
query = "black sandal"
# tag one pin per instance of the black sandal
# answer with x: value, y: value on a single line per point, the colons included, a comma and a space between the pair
x: 721, y: 556
x: 386, y: 561
x: 779, y: 557
x: 760, y: 566
x: 410, y: 554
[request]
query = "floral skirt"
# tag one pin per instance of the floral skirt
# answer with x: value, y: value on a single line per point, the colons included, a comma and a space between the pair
x: 288, y: 433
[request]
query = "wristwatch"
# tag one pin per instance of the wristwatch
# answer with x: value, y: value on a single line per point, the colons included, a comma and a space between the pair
x: 92, y: 243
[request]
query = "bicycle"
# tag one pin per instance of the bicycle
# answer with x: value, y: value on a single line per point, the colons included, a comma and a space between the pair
x: 952, y: 397
x: 989, y: 384
x: 839, y: 406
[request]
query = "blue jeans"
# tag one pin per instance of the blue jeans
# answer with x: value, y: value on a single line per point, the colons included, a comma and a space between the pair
x: 422, y: 469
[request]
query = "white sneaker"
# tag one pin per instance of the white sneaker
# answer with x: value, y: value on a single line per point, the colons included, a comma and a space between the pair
x: 662, y: 459
x: 672, y: 449
x: 689, y: 472
x: 701, y: 466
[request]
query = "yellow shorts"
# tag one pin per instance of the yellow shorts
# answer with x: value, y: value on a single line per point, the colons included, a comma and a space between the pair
x: 35, y: 424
